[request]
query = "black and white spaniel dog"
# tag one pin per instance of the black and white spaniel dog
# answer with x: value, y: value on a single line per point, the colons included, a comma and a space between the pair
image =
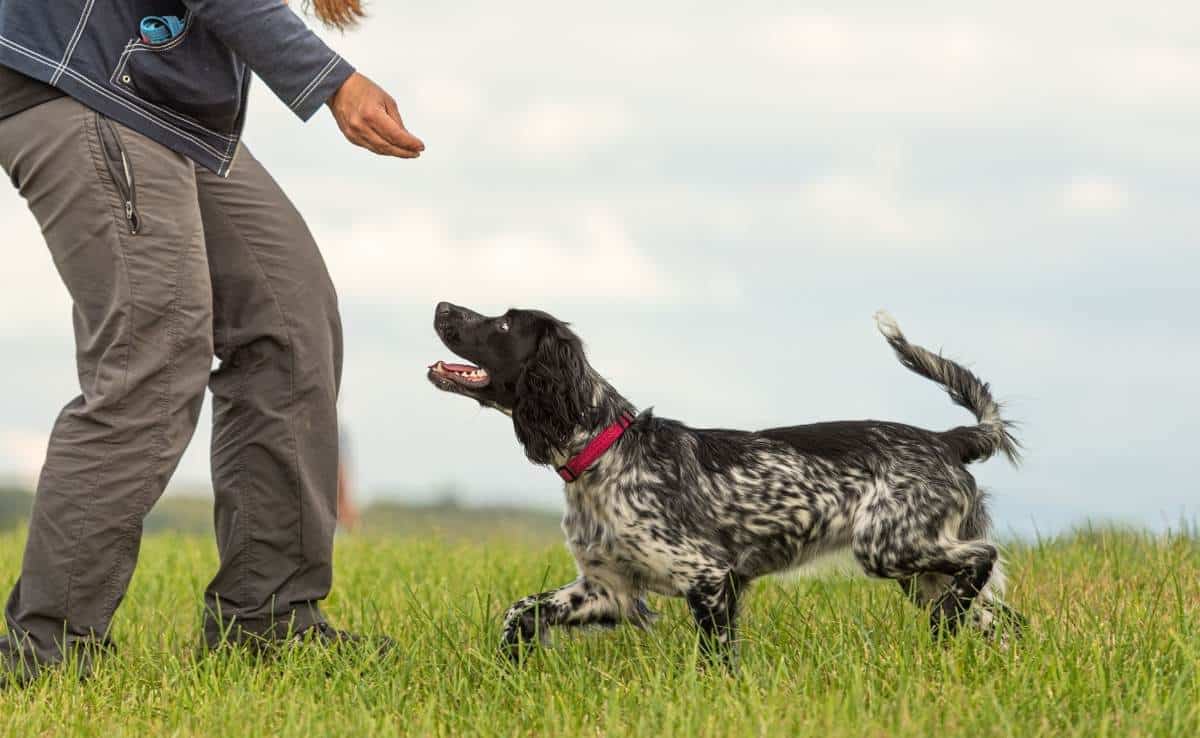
x: 656, y: 506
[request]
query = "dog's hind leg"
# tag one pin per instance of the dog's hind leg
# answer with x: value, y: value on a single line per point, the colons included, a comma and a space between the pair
x: 969, y: 565
x: 966, y: 564
x: 991, y: 615
x: 924, y: 589
x: 582, y: 602
x: 714, y: 605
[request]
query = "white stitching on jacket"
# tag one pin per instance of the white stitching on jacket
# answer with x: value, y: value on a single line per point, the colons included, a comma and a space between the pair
x: 316, y: 82
x: 114, y: 80
x: 83, y: 19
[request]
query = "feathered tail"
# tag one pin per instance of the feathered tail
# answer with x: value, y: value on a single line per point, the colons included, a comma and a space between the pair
x: 976, y: 442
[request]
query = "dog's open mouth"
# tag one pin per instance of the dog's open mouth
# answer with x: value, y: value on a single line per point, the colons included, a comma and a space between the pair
x: 466, y: 376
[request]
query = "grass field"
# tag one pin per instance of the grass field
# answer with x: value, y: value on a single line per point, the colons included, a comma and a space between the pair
x: 1113, y: 650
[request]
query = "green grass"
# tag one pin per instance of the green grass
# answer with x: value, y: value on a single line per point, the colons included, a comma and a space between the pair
x: 1112, y: 650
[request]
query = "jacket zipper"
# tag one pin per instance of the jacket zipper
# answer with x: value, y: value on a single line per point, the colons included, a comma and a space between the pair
x: 120, y: 171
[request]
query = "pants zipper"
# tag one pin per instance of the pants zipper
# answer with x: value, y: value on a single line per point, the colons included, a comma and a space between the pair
x: 120, y: 170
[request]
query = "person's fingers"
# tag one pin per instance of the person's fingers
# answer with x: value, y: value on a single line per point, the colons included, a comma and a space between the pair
x: 393, y: 114
x: 372, y: 141
x: 388, y: 123
x: 360, y: 132
x: 392, y: 132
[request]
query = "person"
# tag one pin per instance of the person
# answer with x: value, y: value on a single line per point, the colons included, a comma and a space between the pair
x: 347, y: 510
x: 120, y: 125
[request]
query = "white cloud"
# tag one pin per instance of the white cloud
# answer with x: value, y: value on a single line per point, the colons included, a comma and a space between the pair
x: 558, y: 131
x: 871, y: 209
x: 33, y: 300
x: 22, y: 453
x: 448, y: 98
x: 847, y: 42
x: 1093, y: 195
x: 983, y: 64
x: 417, y: 257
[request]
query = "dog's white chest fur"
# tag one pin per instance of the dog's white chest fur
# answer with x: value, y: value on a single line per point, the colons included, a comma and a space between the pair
x: 610, y: 543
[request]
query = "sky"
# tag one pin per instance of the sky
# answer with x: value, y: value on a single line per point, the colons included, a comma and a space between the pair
x: 718, y: 197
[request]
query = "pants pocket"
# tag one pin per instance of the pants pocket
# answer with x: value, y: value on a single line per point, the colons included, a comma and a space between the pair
x: 120, y: 170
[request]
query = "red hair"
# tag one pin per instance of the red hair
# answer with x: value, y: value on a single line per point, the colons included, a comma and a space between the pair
x: 340, y: 14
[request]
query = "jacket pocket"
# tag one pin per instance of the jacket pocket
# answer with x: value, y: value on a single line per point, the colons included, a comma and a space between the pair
x: 193, y: 76
x: 120, y: 170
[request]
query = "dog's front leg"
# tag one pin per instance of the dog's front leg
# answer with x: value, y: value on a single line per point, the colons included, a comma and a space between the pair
x: 582, y: 602
x: 714, y: 604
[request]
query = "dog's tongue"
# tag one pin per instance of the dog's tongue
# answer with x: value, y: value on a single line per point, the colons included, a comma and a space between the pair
x: 460, y: 368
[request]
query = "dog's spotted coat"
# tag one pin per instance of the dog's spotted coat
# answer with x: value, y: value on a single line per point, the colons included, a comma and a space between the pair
x: 699, y: 514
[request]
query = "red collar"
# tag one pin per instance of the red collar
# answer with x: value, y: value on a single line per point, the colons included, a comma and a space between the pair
x: 579, y: 463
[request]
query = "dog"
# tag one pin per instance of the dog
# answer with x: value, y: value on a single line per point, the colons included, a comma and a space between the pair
x: 655, y: 506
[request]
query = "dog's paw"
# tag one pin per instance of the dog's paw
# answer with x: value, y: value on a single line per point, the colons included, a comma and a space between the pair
x: 512, y: 651
x: 887, y: 325
x: 641, y: 616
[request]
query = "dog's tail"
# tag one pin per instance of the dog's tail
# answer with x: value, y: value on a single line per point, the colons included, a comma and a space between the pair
x: 976, y: 442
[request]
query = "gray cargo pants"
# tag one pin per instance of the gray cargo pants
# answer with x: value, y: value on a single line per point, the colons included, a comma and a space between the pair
x: 168, y: 265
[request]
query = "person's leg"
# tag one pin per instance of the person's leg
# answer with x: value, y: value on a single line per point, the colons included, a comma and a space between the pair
x: 275, y: 435
x: 120, y: 215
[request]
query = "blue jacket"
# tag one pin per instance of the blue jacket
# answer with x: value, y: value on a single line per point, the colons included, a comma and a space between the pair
x: 189, y: 93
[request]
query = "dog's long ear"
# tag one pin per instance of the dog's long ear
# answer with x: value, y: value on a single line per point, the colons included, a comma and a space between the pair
x: 552, y: 394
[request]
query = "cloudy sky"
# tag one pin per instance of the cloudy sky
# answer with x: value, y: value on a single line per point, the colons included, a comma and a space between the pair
x: 719, y: 197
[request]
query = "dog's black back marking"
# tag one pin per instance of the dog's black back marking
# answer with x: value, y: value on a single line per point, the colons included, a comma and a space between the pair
x: 849, y: 440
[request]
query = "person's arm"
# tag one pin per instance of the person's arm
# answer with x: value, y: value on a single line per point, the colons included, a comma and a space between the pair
x: 305, y: 73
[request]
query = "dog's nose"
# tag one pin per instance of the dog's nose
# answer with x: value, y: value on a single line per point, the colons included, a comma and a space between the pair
x: 443, y: 309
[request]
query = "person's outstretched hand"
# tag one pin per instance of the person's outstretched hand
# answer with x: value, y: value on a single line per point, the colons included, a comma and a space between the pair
x: 368, y: 118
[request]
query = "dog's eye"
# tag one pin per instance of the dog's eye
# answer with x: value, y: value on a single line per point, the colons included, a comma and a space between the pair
x: 503, y: 326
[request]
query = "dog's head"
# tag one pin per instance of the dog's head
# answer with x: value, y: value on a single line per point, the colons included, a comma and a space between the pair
x: 524, y: 363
